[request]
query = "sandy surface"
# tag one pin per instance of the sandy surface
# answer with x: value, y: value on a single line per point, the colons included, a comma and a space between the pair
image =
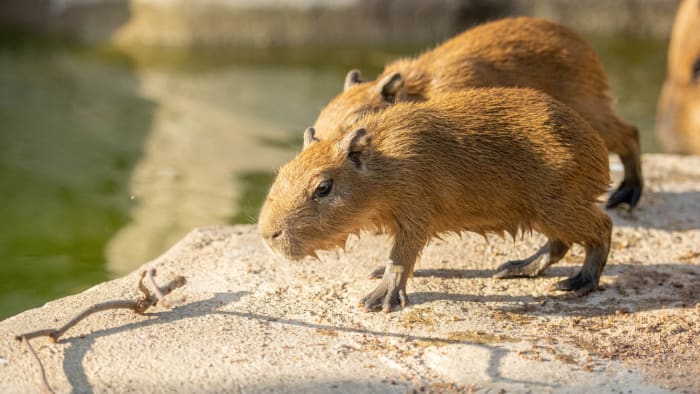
x: 248, y: 323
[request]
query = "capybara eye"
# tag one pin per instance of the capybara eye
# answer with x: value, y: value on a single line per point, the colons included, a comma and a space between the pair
x: 696, y: 70
x: 323, y: 189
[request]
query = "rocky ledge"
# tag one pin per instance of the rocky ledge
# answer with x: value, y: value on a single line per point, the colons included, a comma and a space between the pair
x: 245, y: 322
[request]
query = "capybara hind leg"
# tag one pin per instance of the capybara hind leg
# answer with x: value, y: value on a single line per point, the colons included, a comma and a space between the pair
x: 596, y: 257
x: 553, y: 251
x: 630, y: 190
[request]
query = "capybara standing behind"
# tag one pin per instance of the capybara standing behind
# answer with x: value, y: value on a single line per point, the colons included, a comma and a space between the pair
x: 678, y: 112
x: 512, y: 52
x: 518, y: 160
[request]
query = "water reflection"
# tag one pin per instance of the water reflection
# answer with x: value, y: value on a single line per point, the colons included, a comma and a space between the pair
x: 108, y: 159
x: 214, y: 140
x: 636, y: 69
x: 72, y: 130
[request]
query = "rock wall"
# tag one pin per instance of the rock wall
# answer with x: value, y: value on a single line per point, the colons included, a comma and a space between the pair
x: 268, y: 23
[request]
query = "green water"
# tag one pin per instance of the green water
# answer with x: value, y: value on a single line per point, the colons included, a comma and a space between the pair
x: 108, y: 158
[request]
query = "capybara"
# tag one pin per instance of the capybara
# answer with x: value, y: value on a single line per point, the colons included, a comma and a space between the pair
x: 678, y: 112
x: 517, y: 160
x: 512, y: 52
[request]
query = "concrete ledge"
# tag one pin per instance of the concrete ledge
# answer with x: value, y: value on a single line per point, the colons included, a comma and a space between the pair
x: 251, y: 324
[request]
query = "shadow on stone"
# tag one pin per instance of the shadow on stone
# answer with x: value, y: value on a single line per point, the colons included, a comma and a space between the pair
x: 672, y: 211
x: 79, y: 346
x: 448, y: 273
x: 634, y: 288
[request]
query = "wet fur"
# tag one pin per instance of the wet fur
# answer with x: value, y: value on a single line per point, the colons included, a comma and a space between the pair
x: 513, y: 52
x: 516, y: 160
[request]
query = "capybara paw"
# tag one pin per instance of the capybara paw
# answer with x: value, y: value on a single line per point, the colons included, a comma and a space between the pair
x: 377, y: 273
x: 384, y: 297
x: 578, y: 284
x: 628, y: 193
x: 517, y: 269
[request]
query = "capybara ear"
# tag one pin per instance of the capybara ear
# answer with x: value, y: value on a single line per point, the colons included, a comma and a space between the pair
x: 356, y: 144
x: 389, y: 86
x: 309, y: 137
x: 353, y: 78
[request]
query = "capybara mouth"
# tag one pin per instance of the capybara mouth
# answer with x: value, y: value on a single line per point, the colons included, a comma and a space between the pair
x: 279, y: 253
x: 284, y: 251
x: 292, y: 251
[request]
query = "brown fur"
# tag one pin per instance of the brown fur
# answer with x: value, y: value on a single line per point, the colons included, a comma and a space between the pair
x: 513, y: 52
x: 517, y: 160
x: 678, y: 113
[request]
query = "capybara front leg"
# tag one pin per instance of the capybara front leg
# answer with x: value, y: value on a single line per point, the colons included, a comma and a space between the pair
x: 390, y: 291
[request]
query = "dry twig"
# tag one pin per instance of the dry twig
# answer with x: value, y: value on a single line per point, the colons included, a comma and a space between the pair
x: 44, y: 381
x: 148, y: 299
x: 150, y: 274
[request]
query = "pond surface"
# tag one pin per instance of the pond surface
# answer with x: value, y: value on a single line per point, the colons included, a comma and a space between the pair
x: 108, y: 158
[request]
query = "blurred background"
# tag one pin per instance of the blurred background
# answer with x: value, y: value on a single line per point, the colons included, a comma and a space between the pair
x: 126, y: 123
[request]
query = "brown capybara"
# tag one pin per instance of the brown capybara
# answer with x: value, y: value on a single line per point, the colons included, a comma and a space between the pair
x: 678, y: 112
x: 512, y: 52
x: 518, y: 160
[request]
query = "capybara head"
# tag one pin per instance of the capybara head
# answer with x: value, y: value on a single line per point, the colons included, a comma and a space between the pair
x: 319, y: 198
x: 358, y: 99
x: 678, y: 112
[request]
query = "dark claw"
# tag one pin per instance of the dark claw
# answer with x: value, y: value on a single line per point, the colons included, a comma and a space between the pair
x: 385, y: 296
x: 402, y: 298
x: 578, y: 284
x: 628, y: 193
x: 377, y: 273
x: 517, y: 269
x: 386, y: 305
x: 375, y: 299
